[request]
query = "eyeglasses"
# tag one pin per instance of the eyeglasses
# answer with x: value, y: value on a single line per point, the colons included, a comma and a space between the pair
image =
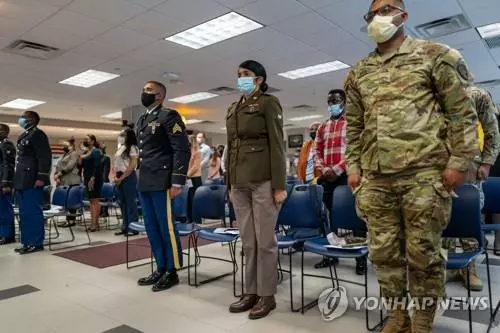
x: 385, y: 10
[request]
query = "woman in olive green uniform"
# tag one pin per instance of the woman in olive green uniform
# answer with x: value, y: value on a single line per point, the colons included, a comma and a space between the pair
x: 256, y: 176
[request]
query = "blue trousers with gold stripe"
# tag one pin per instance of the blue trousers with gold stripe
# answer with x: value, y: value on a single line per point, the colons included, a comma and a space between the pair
x: 6, y: 216
x: 162, y: 234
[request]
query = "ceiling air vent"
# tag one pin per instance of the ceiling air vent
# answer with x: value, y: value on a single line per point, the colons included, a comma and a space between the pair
x: 272, y: 90
x: 493, y: 42
x: 32, y: 50
x: 304, y: 108
x: 223, y: 91
x: 443, y: 27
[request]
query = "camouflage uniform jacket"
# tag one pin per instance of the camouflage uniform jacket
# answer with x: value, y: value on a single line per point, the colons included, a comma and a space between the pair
x: 410, y: 110
x: 487, y: 114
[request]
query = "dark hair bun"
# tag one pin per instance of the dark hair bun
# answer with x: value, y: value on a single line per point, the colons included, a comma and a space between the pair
x: 127, y: 125
x: 264, y: 87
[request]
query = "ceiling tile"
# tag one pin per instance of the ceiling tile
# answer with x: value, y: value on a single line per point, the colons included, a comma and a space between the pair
x: 192, y: 12
x: 147, y: 3
x: 316, y: 4
x: 155, y: 25
x: 272, y: 11
x: 310, y: 23
x: 480, y: 61
x: 54, y: 37
x: 235, y: 4
x: 58, y: 3
x: 485, y: 14
x: 31, y: 11
x: 469, y: 5
x: 114, y: 11
x: 123, y: 40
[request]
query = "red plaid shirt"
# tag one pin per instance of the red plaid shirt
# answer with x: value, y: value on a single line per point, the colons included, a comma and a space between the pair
x: 329, y: 146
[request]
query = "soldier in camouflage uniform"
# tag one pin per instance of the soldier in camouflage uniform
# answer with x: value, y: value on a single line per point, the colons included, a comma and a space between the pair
x: 411, y: 133
x: 479, y: 170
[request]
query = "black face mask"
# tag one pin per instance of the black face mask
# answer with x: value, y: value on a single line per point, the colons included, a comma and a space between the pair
x: 312, y: 135
x: 147, y: 99
x: 86, y: 144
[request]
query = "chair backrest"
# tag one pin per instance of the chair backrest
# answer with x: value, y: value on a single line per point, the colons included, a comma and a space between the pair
x: 209, y: 203
x: 60, y: 196
x: 300, y: 209
x: 180, y: 204
x: 293, y: 181
x: 218, y: 181
x: 491, y: 189
x: 107, y: 191
x: 343, y: 211
x: 465, y: 219
x: 75, y: 197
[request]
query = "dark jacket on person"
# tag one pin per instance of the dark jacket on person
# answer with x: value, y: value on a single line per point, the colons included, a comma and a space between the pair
x: 256, y: 147
x: 106, y: 168
x: 34, y: 159
x: 7, y: 162
x: 163, y: 150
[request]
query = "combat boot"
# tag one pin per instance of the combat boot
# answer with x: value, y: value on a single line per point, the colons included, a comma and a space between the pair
x: 398, y: 322
x: 422, y: 321
x: 451, y: 275
x: 475, y: 281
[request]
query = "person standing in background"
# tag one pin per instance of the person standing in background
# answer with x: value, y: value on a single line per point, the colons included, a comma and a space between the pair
x: 32, y: 174
x: 7, y: 163
x: 92, y: 177
x: 66, y: 174
x: 194, y: 173
x: 206, y: 153
x: 164, y: 159
x: 214, y: 166
x: 125, y: 163
x: 106, y: 170
x: 256, y: 177
x: 411, y: 136
x: 306, y: 172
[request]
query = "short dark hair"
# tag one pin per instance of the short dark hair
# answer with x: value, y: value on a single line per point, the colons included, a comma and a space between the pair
x: 258, y: 70
x: 5, y: 129
x: 337, y: 91
x: 33, y: 115
x: 161, y: 86
x: 400, y: 3
x: 93, y: 138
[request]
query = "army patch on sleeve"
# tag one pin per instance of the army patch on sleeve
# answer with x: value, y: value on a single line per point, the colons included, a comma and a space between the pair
x: 176, y: 129
x: 462, y: 70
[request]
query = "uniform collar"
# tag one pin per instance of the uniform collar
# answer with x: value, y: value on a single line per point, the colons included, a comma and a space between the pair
x: 156, y: 107
x: 407, y: 47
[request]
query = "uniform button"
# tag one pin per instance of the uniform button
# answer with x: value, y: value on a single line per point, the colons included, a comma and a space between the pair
x: 141, y: 133
x: 140, y: 141
x: 140, y: 150
x: 140, y: 159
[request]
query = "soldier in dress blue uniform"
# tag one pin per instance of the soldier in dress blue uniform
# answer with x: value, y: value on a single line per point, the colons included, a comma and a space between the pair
x: 163, y: 157
x: 7, y: 162
x: 32, y: 173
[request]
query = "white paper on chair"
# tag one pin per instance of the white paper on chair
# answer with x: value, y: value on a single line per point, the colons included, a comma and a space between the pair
x: 336, y: 242
x: 227, y: 231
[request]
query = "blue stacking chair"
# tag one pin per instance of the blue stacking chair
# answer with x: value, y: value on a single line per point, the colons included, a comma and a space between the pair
x: 108, y: 199
x: 342, y: 216
x: 209, y: 203
x: 491, y: 189
x: 293, y: 181
x: 301, y: 211
x: 218, y: 181
x: 465, y: 222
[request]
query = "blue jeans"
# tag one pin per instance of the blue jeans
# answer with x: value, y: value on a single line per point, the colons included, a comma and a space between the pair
x: 6, y: 216
x: 127, y: 197
x: 31, y: 216
x: 162, y: 234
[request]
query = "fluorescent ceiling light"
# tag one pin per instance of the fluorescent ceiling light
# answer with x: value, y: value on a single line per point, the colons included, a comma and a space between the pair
x: 214, y: 31
x: 89, y: 78
x: 193, y: 98
x: 224, y: 128
x: 114, y: 115
x: 70, y: 129
x: 490, y: 30
x: 314, y: 116
x: 193, y: 121
x: 22, y: 104
x: 314, y: 70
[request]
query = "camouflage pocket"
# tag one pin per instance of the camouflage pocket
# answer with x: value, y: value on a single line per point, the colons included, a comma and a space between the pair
x: 442, y: 205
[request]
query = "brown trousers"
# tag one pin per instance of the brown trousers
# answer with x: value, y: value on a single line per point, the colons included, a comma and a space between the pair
x: 257, y: 213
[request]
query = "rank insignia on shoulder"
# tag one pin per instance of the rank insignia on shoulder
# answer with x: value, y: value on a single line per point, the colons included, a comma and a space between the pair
x: 279, y: 116
x: 176, y: 129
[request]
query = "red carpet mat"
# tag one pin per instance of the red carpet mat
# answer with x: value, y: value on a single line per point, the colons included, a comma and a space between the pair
x: 114, y: 254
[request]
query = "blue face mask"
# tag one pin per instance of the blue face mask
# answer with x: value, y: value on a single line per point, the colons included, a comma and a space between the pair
x: 23, y: 123
x: 335, y: 110
x: 246, y: 85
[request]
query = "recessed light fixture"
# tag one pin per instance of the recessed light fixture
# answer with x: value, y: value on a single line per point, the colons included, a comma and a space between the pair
x: 314, y: 70
x: 70, y: 129
x: 114, y: 115
x: 313, y: 116
x: 214, y: 31
x: 89, y: 78
x: 22, y: 104
x: 193, y: 121
x: 193, y: 98
x: 489, y: 31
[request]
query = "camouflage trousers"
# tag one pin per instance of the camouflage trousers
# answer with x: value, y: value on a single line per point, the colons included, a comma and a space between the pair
x: 405, y: 216
x: 468, y: 244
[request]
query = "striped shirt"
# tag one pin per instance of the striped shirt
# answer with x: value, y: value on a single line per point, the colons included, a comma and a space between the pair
x: 330, y: 146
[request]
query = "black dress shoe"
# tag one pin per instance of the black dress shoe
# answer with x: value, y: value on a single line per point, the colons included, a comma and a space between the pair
x: 7, y: 240
x: 31, y: 249
x: 119, y: 233
x: 132, y: 233
x: 150, y: 280
x: 360, y: 266
x: 167, y: 281
x: 327, y: 262
x: 19, y: 249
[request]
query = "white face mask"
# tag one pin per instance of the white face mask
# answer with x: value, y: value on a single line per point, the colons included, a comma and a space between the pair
x: 199, y: 140
x: 381, y: 29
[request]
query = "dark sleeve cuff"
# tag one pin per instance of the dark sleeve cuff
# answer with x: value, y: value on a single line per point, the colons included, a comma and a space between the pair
x: 178, y: 179
x: 42, y: 176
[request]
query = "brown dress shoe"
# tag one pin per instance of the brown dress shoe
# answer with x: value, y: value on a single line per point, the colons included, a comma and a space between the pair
x: 264, y: 306
x: 245, y: 303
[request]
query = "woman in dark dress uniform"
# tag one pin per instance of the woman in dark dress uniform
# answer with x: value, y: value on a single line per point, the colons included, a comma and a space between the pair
x: 92, y: 177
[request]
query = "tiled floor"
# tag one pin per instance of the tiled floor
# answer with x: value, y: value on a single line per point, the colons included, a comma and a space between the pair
x: 42, y: 293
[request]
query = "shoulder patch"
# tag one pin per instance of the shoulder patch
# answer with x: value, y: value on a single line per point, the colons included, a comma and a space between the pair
x: 177, y: 128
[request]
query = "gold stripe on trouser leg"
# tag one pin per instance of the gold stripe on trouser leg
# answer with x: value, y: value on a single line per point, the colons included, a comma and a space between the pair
x: 171, y: 233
